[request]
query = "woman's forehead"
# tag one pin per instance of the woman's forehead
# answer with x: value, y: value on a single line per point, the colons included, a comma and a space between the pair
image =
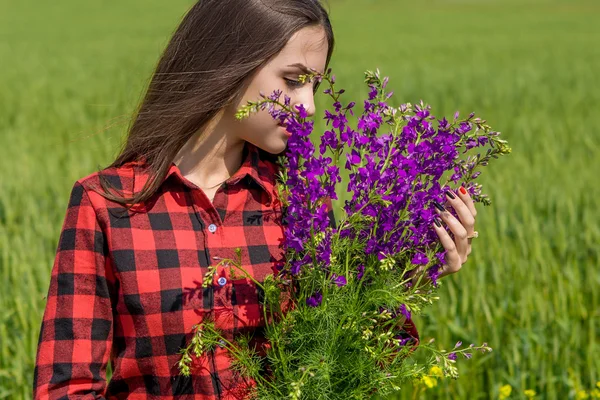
x: 307, y: 47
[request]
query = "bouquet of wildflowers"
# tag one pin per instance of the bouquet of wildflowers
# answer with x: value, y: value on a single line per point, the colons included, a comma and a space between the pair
x: 349, y: 288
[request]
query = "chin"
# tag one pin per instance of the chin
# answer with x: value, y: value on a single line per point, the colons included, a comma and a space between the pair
x: 275, y: 147
x: 277, y: 150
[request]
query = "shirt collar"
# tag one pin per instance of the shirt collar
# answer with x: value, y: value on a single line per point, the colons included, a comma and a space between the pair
x: 254, y: 165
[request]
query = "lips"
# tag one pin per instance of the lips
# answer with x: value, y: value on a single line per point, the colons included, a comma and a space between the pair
x: 284, y: 129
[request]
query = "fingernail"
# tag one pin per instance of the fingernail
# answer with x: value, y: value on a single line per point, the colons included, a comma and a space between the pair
x: 450, y: 194
x: 463, y: 190
x: 439, y: 206
x: 437, y: 222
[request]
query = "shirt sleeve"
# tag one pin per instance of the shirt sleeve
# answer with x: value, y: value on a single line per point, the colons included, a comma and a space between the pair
x: 75, y: 336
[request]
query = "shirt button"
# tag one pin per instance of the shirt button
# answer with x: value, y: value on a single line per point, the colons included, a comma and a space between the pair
x: 222, y: 281
x: 212, y: 228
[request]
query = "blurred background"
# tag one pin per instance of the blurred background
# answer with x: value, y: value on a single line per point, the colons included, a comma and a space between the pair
x: 72, y: 73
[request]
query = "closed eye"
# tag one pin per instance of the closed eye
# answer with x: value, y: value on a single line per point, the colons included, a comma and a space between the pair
x: 293, y: 83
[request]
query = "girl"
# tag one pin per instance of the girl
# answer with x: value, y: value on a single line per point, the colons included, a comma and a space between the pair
x: 191, y: 184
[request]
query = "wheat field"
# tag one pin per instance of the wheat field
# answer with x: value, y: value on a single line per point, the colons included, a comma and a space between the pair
x: 73, y: 72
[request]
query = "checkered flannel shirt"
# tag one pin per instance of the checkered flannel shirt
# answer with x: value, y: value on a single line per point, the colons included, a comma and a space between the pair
x: 127, y: 288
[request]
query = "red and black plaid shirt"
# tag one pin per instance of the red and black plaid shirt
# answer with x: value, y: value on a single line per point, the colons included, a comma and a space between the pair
x: 126, y: 287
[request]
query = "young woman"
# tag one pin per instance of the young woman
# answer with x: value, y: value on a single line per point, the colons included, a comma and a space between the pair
x: 191, y: 184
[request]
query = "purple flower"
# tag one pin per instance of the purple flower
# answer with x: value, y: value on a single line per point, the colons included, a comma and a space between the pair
x: 404, y: 311
x: 467, y: 355
x: 339, y: 280
x: 434, y: 273
x: 372, y: 92
x: 463, y: 128
x: 295, y: 267
x: 441, y: 256
x: 361, y: 271
x: 420, y: 259
x: 452, y: 356
x: 301, y: 111
x: 354, y: 158
x: 314, y: 300
x: 470, y: 143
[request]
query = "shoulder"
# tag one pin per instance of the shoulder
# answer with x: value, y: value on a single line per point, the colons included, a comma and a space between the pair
x: 121, y: 179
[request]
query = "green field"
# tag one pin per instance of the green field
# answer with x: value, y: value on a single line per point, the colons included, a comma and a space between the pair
x: 73, y: 71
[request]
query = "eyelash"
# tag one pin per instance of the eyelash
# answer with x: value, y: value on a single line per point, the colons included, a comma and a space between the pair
x: 292, y: 83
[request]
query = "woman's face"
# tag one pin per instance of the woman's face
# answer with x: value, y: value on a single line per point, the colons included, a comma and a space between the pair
x: 307, y: 47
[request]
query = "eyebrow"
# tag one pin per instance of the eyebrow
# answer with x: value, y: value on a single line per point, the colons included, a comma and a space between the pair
x: 302, y: 67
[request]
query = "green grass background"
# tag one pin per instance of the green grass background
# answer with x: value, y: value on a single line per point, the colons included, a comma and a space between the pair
x: 73, y: 71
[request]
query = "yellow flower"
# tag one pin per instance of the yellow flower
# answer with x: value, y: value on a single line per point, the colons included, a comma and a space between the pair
x: 505, y: 391
x: 529, y: 393
x: 436, y: 371
x: 595, y: 393
x: 429, y: 381
x: 581, y: 395
x: 598, y: 384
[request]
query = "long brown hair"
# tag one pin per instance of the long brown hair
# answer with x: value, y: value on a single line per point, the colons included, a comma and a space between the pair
x: 218, y: 45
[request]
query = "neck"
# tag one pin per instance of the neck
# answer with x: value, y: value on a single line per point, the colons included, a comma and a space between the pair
x: 211, y: 156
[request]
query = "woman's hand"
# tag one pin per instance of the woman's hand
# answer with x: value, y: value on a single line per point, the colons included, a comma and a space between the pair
x: 463, y: 229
